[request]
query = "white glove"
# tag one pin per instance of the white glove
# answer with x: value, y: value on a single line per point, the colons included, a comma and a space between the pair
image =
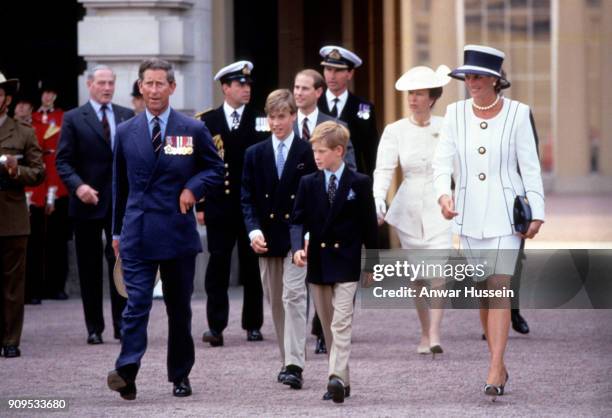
x: 381, y: 210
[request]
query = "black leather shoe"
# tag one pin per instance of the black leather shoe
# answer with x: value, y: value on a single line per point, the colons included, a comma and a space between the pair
x: 61, y: 295
x: 328, y: 396
x: 254, y: 335
x: 11, y: 351
x: 320, y: 347
x: 94, y: 338
x: 336, y: 388
x: 518, y: 322
x: 281, y: 375
x: 293, y: 377
x: 119, y: 383
x: 182, y: 388
x: 213, y: 338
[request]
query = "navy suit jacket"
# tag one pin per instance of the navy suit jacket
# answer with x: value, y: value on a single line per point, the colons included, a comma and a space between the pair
x: 349, y: 154
x: 337, y: 231
x: 84, y: 157
x: 146, y: 188
x: 364, y: 133
x: 267, y: 201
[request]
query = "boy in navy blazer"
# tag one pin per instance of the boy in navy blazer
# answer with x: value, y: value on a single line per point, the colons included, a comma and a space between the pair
x: 335, y: 208
x: 271, y: 174
x: 164, y: 162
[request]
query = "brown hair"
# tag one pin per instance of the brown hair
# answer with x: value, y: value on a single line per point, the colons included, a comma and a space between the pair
x: 435, y: 93
x: 331, y: 134
x: 280, y: 100
x: 318, y: 80
x: 498, y: 84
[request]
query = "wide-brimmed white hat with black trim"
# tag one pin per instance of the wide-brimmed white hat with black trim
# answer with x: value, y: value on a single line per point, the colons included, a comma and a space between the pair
x: 10, y: 86
x: 481, y: 60
x: 423, y: 77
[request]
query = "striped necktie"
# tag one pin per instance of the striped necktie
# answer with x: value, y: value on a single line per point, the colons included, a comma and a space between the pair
x: 156, y: 135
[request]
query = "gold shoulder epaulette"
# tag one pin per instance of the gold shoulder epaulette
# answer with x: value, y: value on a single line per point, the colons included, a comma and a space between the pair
x: 203, y: 112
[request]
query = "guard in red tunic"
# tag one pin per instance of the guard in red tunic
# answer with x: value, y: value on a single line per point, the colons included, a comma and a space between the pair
x: 48, y: 208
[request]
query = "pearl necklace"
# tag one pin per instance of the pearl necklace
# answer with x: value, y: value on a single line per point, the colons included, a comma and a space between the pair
x: 491, y: 106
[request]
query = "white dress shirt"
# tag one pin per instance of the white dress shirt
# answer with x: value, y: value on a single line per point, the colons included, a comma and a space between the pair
x: 329, y: 96
x: 228, y: 110
x: 110, y: 117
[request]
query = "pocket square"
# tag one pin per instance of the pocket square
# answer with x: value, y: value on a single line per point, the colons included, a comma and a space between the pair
x: 351, y: 195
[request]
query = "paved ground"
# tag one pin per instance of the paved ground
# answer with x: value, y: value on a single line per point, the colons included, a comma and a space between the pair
x: 562, y: 368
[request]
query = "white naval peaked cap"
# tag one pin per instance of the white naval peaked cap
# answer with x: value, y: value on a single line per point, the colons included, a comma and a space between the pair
x: 338, y: 57
x: 240, y: 71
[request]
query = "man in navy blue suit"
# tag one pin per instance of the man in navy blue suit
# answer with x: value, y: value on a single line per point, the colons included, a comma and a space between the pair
x: 85, y: 164
x: 164, y: 163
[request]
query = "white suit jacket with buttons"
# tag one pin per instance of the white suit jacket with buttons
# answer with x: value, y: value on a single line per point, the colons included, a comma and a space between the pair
x: 498, y: 160
x: 414, y: 209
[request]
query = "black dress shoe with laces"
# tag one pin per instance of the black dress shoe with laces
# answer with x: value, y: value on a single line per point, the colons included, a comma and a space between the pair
x: 293, y: 377
x: 213, y: 338
x: 328, y: 395
x: 254, y: 335
x: 281, y: 375
x: 11, y: 351
x: 182, y: 388
x: 120, y: 383
x: 518, y: 322
x: 95, y: 338
x: 320, y: 347
x: 337, y: 390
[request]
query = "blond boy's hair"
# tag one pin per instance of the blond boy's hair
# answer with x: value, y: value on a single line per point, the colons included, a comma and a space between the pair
x: 330, y: 134
x: 279, y: 101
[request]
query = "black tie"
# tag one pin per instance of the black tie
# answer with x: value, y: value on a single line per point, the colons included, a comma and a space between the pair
x: 334, y: 110
x: 156, y: 135
x: 105, y: 125
x: 235, y: 120
x: 331, y: 189
x: 305, y: 130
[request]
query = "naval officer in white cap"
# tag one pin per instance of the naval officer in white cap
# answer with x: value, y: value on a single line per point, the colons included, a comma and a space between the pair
x: 234, y: 127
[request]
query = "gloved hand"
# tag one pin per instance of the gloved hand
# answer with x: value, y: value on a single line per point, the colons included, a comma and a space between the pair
x: 381, y: 210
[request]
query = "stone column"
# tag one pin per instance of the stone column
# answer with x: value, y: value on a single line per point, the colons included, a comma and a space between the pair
x: 605, y: 155
x: 442, y: 31
x: 122, y: 34
x: 569, y: 91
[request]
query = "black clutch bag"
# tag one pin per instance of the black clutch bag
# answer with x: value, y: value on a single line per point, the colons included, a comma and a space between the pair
x: 522, y: 214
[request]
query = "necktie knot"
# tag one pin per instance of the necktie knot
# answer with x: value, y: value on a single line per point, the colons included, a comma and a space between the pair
x: 334, y: 110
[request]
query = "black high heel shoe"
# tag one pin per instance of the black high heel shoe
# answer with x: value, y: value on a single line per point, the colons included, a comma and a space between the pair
x: 435, y: 349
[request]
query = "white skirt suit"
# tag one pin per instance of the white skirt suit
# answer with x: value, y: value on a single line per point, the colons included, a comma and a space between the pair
x: 497, y: 160
x: 414, y: 211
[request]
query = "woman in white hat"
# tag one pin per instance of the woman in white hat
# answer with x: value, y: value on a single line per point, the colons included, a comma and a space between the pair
x: 493, y: 139
x: 410, y: 144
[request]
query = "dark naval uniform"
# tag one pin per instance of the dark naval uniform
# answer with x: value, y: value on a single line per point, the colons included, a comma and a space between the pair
x: 225, y: 223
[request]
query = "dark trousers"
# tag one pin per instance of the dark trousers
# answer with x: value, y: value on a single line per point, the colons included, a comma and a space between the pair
x: 58, y: 234
x: 12, y: 283
x: 177, y: 284
x: 47, y: 260
x: 35, y: 260
x: 221, y: 236
x: 90, y: 251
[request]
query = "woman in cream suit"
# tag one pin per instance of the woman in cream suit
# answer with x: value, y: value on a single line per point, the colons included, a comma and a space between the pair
x: 410, y: 143
x: 493, y: 139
